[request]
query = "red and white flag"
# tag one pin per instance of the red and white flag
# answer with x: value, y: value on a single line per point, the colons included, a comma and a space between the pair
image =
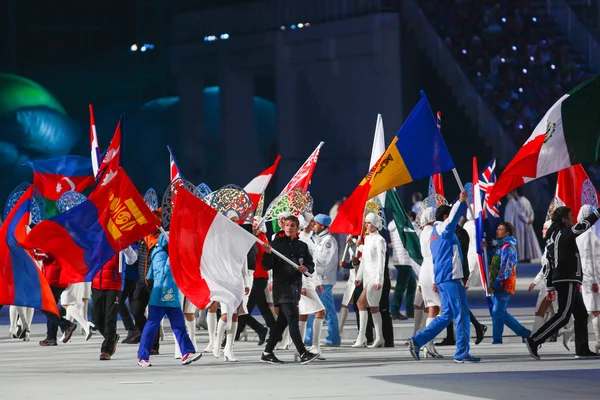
x: 95, y: 147
x: 207, y: 252
x: 112, y: 159
x: 574, y: 189
x: 258, y: 185
x: 304, y: 175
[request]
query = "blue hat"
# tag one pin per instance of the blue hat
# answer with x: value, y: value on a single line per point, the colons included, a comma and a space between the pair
x: 323, y: 219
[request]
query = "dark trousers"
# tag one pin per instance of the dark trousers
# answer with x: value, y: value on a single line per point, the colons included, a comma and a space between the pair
x: 570, y: 301
x: 106, y: 308
x: 53, y: 321
x: 127, y: 293
x: 258, y: 299
x: 141, y: 297
x: 405, y: 282
x: 287, y: 317
x: 384, y: 308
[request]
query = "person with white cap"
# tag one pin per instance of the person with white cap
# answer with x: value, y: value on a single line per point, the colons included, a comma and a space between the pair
x: 370, y: 274
x: 326, y: 266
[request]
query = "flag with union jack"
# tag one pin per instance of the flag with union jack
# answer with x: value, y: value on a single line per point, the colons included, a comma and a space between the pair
x: 490, y: 212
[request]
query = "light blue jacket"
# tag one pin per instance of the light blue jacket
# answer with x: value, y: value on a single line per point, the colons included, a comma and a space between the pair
x: 445, y: 248
x: 165, y: 292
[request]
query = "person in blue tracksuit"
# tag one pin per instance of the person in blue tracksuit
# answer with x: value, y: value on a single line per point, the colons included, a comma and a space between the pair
x: 448, y: 274
x: 164, y: 300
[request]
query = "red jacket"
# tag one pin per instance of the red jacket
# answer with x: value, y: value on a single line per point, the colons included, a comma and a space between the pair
x: 109, y: 277
x: 51, y: 269
x: 259, y: 271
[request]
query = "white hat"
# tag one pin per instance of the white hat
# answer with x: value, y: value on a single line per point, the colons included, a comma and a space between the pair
x: 230, y: 214
x: 375, y: 220
x: 428, y: 216
x: 284, y: 214
x: 308, y: 216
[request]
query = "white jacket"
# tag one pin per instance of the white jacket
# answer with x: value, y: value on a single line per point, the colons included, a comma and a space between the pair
x: 400, y: 255
x: 372, y: 263
x: 589, y: 252
x: 472, y: 257
x: 325, y: 257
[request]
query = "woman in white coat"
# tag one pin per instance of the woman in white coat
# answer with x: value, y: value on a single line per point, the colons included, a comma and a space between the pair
x: 370, y: 274
x: 431, y: 297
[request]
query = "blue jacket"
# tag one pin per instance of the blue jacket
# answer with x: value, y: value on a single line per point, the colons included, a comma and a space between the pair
x: 165, y: 292
x: 445, y: 247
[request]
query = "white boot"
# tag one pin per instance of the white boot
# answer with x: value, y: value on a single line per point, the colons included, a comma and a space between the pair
x: 12, y: 329
x: 191, y: 330
x: 285, y: 340
x: 361, y: 340
x: 316, y: 347
x: 211, y: 322
x: 161, y: 330
x: 177, y: 348
x: 538, y: 322
x: 418, y: 320
x: 228, y: 351
x: 378, y: 331
x: 430, y: 350
x: 342, y: 319
x: 302, y: 326
x: 219, y: 338
x: 76, y: 313
x: 596, y: 326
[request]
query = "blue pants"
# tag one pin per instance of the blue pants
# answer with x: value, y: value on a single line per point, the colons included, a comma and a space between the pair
x: 454, y: 307
x: 501, y: 317
x: 155, y: 315
x: 333, y: 329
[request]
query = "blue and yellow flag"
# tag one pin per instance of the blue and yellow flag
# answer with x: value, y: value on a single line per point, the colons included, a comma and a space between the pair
x: 418, y: 151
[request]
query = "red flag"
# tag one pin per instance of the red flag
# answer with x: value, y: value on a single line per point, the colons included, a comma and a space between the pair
x: 86, y: 237
x: 112, y: 159
x: 574, y: 188
x: 21, y: 282
x: 55, y: 176
x: 304, y: 175
x: 207, y: 252
x: 438, y: 184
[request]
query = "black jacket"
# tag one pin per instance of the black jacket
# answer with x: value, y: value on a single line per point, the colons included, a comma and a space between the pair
x: 463, y: 240
x: 564, y: 263
x: 251, y: 257
x: 287, y: 281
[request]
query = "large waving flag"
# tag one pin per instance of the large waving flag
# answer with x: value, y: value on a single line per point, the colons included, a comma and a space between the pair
x: 21, y: 282
x: 406, y: 230
x: 490, y: 212
x: 568, y: 134
x: 481, y: 259
x: 258, y: 185
x: 207, y: 252
x: 417, y: 151
x: 95, y: 147
x: 574, y: 189
x: 55, y: 176
x: 112, y: 159
x: 304, y: 175
x: 86, y: 237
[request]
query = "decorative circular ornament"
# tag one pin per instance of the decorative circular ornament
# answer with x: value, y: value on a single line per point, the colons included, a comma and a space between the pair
x: 554, y: 204
x: 170, y: 196
x: 14, y: 196
x: 69, y: 200
x: 432, y: 201
x: 151, y: 199
x: 232, y: 198
x: 297, y: 202
x: 588, y: 194
x: 469, y: 190
x: 374, y: 206
x: 37, y: 208
x: 204, y: 189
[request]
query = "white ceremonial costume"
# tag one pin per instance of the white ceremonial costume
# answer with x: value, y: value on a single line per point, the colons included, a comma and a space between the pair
x: 310, y: 303
x: 528, y: 247
x: 430, y: 298
x: 540, y: 282
x: 472, y: 257
x: 589, y: 251
x: 372, y: 267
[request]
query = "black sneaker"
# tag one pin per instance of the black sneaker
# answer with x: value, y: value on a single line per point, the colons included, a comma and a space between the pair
x: 132, y: 335
x: 262, y: 336
x: 307, y: 357
x: 69, y: 332
x: 269, y: 358
x: 48, y: 342
x: 533, y: 349
x: 590, y: 355
x: 480, y: 334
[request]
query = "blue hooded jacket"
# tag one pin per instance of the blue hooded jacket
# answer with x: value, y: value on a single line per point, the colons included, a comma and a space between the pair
x: 165, y: 292
x: 445, y: 248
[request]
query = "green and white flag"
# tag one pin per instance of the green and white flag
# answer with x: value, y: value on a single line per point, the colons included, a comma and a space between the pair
x: 410, y: 239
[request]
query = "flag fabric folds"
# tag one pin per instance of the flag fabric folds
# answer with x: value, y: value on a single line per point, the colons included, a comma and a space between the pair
x: 410, y: 239
x: 417, y: 151
x: 574, y: 189
x: 86, y: 237
x: 174, y: 173
x: 490, y: 212
x: 55, y: 176
x: 207, y: 253
x: 479, y: 230
x: 568, y: 134
x: 112, y: 159
x: 257, y: 186
x: 94, y: 146
x: 21, y: 282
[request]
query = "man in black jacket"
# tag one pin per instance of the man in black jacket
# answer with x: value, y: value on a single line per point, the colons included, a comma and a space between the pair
x: 564, y: 275
x: 287, y: 285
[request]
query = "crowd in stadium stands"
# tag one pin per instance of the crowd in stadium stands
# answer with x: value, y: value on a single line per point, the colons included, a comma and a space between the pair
x: 511, y: 54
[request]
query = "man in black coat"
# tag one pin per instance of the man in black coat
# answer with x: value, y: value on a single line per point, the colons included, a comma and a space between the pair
x: 564, y: 275
x: 287, y: 286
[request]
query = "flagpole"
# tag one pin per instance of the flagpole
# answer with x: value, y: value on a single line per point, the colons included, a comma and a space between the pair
x: 462, y: 189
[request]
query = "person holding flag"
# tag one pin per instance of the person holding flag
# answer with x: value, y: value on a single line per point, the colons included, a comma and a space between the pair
x: 447, y: 260
x: 503, y: 281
